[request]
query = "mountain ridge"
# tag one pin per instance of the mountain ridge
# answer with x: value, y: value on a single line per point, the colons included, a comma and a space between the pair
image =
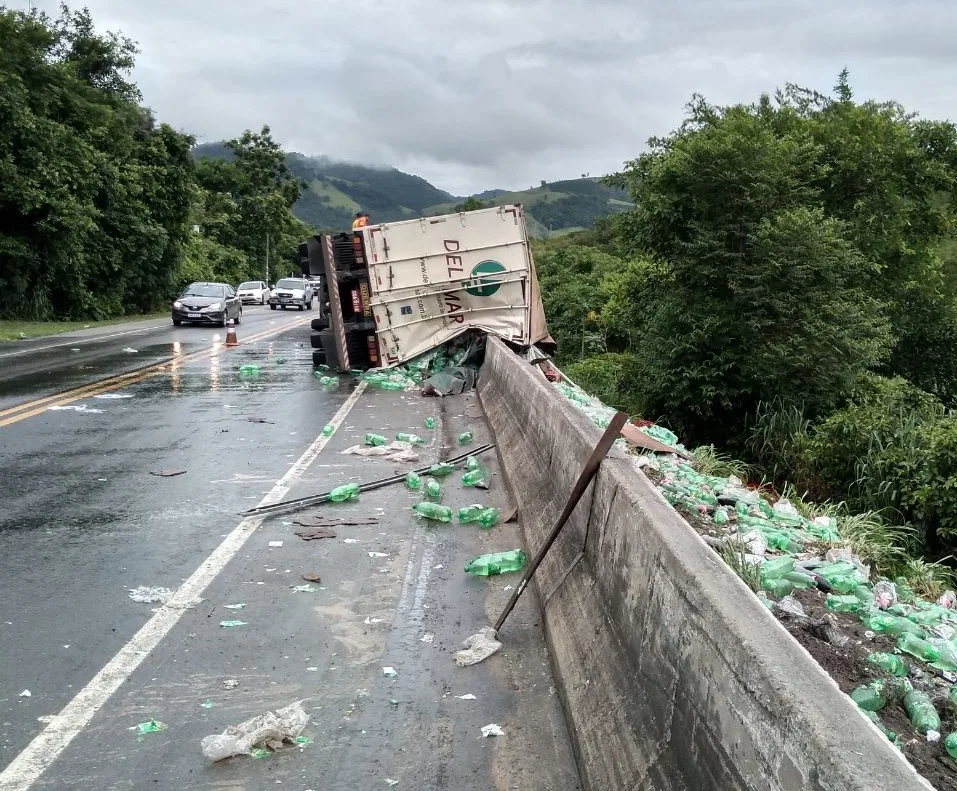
x: 334, y: 191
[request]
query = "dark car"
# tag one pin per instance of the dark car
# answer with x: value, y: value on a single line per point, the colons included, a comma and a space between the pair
x: 207, y: 303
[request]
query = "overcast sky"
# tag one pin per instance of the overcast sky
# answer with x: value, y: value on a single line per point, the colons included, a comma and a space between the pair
x: 475, y: 94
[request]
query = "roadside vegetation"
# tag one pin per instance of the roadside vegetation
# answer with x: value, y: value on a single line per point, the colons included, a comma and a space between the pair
x: 103, y: 211
x: 13, y: 330
x: 784, y: 293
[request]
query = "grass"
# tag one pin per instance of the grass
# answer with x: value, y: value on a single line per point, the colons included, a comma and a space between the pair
x: 337, y: 198
x: 733, y: 553
x: 12, y: 330
x: 708, y: 461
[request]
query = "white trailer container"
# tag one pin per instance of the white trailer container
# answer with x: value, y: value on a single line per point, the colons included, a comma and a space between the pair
x: 432, y: 278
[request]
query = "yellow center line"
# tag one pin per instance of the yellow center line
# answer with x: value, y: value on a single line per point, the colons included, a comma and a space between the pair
x: 34, y: 407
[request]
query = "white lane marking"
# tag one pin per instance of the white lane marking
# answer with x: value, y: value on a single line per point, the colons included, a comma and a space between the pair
x: 37, y: 756
x: 79, y: 341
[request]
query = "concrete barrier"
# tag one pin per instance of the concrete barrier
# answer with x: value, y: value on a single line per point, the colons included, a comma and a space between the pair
x: 671, y: 672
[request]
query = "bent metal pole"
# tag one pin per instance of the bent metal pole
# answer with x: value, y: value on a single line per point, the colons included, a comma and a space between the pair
x: 588, y: 473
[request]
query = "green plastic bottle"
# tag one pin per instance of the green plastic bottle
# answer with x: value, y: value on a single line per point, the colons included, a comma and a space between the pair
x: 915, y: 646
x: 470, y: 513
x: 473, y: 478
x: 348, y: 491
x: 890, y: 624
x: 869, y: 697
x: 394, y: 386
x: 923, y: 716
x: 489, y: 518
x: 497, y: 563
x: 412, y: 439
x: 472, y: 463
x: 843, y: 603
x: 430, y: 422
x: 249, y: 369
x: 777, y: 568
x: 465, y: 438
x: 889, y: 663
x: 433, y: 511
x: 720, y: 517
x: 329, y: 381
x: 433, y: 489
x: 950, y: 745
x: 328, y: 430
x: 375, y: 440
x: 442, y: 469
x: 412, y: 481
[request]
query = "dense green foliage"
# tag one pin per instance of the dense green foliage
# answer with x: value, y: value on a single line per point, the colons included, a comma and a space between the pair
x: 98, y: 202
x: 785, y: 287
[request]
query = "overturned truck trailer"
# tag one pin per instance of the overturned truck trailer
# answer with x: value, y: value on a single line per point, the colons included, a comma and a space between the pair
x: 392, y: 291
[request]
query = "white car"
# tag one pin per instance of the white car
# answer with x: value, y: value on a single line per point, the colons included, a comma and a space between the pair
x: 253, y: 291
x: 292, y: 292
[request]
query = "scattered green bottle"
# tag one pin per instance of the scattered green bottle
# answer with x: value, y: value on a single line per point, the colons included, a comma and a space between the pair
x: 348, y: 491
x: 470, y: 513
x: 869, y: 697
x: 442, y: 469
x: 328, y: 430
x: 412, y: 439
x: 465, y: 438
x: 249, y: 370
x: 329, y: 381
x: 950, y: 745
x: 843, y: 603
x: 890, y: 624
x: 472, y: 463
x: 375, y: 440
x: 430, y: 422
x: 391, y: 386
x: 412, y: 481
x: 720, y: 517
x: 923, y: 716
x: 474, y: 478
x: 915, y: 646
x: 489, y: 518
x: 889, y: 663
x: 433, y: 511
x: 496, y: 563
x: 433, y: 489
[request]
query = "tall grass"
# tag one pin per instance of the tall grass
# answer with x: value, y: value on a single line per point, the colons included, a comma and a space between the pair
x: 707, y: 460
x: 775, y: 437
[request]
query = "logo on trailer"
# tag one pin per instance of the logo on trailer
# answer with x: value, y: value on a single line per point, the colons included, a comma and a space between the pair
x: 483, y: 283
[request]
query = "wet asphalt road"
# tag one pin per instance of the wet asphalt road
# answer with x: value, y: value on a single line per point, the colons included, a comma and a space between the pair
x: 83, y: 521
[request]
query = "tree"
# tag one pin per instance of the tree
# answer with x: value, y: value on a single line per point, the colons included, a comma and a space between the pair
x: 470, y: 204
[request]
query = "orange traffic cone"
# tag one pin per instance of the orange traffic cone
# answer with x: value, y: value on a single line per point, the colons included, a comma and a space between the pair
x: 231, y: 339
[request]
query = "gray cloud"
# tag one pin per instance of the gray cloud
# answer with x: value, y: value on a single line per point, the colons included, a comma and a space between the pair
x: 475, y: 94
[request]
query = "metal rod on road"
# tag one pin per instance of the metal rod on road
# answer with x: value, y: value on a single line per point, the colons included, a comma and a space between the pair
x: 588, y: 473
x: 316, y: 499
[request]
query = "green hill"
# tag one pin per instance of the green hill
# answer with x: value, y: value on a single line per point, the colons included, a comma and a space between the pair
x: 334, y: 191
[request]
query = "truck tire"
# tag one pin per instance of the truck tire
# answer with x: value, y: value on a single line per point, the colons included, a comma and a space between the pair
x: 272, y: 307
x: 316, y: 340
x: 329, y: 347
x: 318, y: 357
x: 322, y: 323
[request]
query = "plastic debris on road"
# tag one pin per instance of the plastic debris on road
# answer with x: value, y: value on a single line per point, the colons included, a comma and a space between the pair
x: 237, y: 606
x: 207, y: 704
x: 378, y: 554
x: 467, y: 696
x: 427, y: 638
x: 390, y: 782
x: 150, y: 727
x: 497, y: 563
x: 74, y: 408
x: 232, y: 623
x: 478, y: 648
x: 149, y: 595
x: 230, y: 683
x: 248, y: 371
x: 25, y: 694
x: 400, y: 452
x: 306, y: 589
x: 167, y: 473
x: 131, y: 350
x: 492, y: 730
x: 113, y: 396
x: 275, y: 544
x: 266, y: 731
x: 389, y: 672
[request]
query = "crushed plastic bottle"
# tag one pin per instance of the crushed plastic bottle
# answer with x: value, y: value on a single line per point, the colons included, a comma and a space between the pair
x: 153, y: 726
x: 923, y: 716
x: 341, y: 494
x: 433, y: 489
x: 884, y: 623
x: 720, y: 517
x: 250, y: 369
x: 328, y: 430
x: 889, y: 663
x: 474, y: 478
x: 472, y: 463
x: 845, y: 603
x: 430, y: 422
x: 470, y: 513
x: 950, y: 745
x: 433, y: 511
x: 916, y: 647
x: 442, y: 469
x: 465, y: 438
x: 413, y: 482
x: 869, y: 697
x: 496, y: 563
x: 412, y: 439
x: 489, y: 518
x: 375, y: 440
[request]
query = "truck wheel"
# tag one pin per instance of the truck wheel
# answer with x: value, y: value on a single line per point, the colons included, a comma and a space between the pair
x: 319, y: 357
x: 328, y: 341
x: 322, y: 323
x: 316, y: 340
x: 272, y: 307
